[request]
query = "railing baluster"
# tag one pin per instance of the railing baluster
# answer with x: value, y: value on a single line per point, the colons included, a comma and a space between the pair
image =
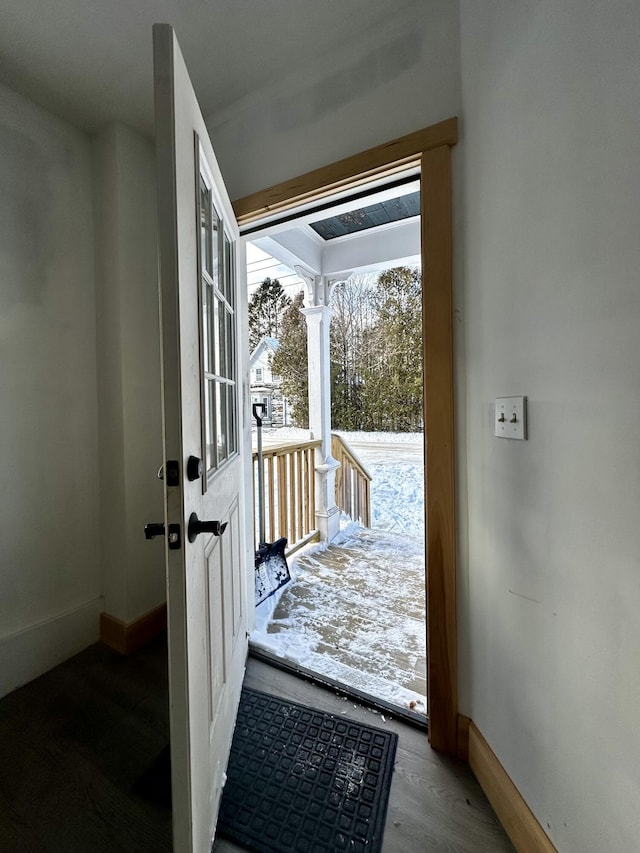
x: 282, y: 496
x: 300, y: 488
x: 312, y: 486
x: 289, y: 482
x: 272, y: 501
x: 352, y: 482
x: 308, y: 486
x: 291, y: 495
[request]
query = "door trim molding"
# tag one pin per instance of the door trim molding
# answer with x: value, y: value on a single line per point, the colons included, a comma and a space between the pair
x: 430, y: 149
x: 439, y: 448
x: 350, y: 172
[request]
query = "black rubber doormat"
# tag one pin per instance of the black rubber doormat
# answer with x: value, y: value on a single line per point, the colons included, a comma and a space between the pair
x: 304, y: 781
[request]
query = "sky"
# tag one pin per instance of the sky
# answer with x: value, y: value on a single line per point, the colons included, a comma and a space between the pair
x: 261, y: 265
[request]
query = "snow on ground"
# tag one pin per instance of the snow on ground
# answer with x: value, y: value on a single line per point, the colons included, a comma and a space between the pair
x: 395, y: 462
x: 322, y: 620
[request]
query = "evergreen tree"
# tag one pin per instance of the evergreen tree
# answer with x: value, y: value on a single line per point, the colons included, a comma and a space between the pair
x: 266, y: 310
x: 290, y: 361
x: 375, y: 351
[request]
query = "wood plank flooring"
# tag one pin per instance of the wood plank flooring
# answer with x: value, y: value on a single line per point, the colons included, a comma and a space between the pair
x: 73, y: 742
x: 435, y: 803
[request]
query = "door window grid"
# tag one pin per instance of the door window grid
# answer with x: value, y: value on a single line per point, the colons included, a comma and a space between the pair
x: 218, y: 339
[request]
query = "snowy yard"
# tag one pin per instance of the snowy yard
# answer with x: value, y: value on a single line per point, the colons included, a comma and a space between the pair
x: 355, y: 613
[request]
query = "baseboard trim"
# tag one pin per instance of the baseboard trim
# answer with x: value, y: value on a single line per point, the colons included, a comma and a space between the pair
x: 463, y: 738
x: 128, y: 637
x: 514, y: 814
x: 35, y: 649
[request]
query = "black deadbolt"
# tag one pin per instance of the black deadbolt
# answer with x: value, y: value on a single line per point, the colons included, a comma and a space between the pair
x: 195, y: 468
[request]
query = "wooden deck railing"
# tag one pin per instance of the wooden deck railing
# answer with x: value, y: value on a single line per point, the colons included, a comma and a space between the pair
x: 289, y: 486
x: 289, y: 499
x: 353, y: 482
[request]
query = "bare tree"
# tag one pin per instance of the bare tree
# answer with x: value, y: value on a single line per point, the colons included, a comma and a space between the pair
x: 266, y: 309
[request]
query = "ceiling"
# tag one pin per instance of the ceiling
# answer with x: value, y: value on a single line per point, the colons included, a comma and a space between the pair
x: 90, y: 61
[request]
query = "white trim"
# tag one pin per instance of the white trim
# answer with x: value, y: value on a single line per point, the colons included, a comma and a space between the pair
x: 31, y: 651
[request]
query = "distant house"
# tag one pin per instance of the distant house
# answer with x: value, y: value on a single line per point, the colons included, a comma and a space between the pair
x: 266, y: 387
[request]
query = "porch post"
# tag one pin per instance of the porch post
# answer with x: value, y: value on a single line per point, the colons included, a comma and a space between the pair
x: 318, y: 318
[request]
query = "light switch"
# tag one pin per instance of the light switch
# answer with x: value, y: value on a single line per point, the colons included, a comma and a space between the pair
x: 511, y: 417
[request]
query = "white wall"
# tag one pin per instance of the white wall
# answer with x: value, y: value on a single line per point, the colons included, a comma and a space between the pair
x: 49, y: 564
x: 128, y: 371
x: 392, y: 81
x: 551, y: 205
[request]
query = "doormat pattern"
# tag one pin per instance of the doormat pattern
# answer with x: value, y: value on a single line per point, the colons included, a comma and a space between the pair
x: 304, y: 781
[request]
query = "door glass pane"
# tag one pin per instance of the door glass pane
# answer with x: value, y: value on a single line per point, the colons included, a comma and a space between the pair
x: 222, y: 341
x: 209, y: 387
x: 221, y: 421
x: 231, y: 345
x: 215, y: 248
x: 231, y: 394
x: 205, y: 228
x: 215, y: 322
x: 208, y: 328
x: 229, y: 289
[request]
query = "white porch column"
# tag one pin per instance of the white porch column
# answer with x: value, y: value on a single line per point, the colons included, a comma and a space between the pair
x: 318, y: 318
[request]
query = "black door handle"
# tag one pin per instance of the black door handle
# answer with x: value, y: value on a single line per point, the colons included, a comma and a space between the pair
x: 151, y: 530
x: 196, y: 526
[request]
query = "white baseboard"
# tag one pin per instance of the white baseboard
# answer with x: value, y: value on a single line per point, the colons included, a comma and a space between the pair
x: 28, y: 653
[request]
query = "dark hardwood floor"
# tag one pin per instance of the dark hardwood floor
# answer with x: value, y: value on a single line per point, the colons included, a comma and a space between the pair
x: 72, y: 744
x: 74, y: 741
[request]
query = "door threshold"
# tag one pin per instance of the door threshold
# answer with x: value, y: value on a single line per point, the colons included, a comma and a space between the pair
x: 407, y: 716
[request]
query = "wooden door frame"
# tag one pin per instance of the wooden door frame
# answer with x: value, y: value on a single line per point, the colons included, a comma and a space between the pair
x: 429, y: 148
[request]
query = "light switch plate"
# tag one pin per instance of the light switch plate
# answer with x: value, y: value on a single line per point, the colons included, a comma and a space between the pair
x: 511, y: 417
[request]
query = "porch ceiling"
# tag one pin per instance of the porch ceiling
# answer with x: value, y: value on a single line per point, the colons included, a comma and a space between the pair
x: 372, y: 247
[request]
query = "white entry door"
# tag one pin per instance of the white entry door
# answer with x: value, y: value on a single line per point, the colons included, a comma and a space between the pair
x: 206, y: 449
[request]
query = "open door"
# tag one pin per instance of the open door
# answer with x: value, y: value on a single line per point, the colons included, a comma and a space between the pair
x: 206, y: 448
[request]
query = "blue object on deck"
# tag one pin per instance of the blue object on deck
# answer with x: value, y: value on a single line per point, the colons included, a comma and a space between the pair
x: 272, y: 571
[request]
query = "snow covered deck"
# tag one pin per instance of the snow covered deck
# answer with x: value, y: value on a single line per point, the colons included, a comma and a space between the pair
x: 355, y: 611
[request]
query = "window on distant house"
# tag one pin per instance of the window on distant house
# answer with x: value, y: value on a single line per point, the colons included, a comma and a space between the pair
x: 258, y: 374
